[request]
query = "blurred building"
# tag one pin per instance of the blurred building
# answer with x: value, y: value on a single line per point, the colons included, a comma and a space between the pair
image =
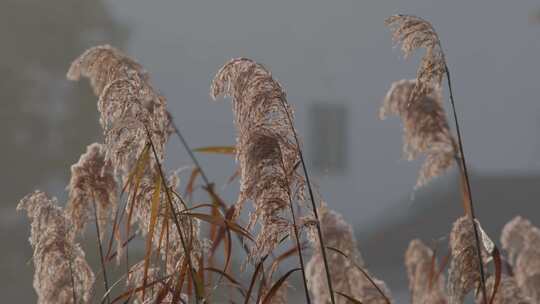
x: 430, y: 214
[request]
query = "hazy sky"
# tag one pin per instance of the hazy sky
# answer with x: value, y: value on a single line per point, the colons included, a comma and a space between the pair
x: 321, y: 51
x: 335, y: 52
x: 340, y: 51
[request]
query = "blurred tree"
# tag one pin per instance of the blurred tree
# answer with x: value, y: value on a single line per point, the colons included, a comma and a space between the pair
x: 45, y: 121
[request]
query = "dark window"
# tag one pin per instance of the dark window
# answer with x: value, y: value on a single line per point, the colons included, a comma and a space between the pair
x: 328, y: 137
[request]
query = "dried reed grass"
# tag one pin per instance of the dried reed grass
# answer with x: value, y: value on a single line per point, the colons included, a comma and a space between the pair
x: 128, y: 104
x: 171, y: 250
x: 92, y: 180
x: 268, y: 152
x: 134, y: 119
x: 414, y: 33
x: 137, y: 125
x: 62, y: 274
x: 425, y: 128
x: 463, y: 275
x: 521, y: 240
x: 346, y: 277
x: 265, y: 148
x: 425, y: 288
x: 508, y: 292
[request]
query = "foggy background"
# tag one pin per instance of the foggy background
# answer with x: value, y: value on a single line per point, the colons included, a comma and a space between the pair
x: 335, y: 60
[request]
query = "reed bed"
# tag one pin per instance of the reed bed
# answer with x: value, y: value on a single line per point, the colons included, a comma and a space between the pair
x: 121, y: 189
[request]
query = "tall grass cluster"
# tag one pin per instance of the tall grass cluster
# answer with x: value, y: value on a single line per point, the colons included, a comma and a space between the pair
x: 120, y: 189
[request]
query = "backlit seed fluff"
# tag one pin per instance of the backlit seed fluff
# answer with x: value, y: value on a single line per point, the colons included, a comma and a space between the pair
x: 59, y: 262
x: 414, y: 33
x: 507, y: 292
x: 521, y: 240
x: 425, y: 128
x: 424, y: 287
x: 464, y: 275
x: 346, y: 278
x: 128, y: 104
x: 265, y: 147
x: 92, y: 181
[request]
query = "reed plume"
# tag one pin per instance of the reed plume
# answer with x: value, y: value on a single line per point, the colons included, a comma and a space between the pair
x: 134, y: 119
x: 521, y: 240
x: 414, y: 33
x: 62, y: 274
x: 424, y: 286
x: 92, y: 180
x: 507, y: 293
x: 346, y: 277
x: 425, y: 128
x: 463, y: 275
x: 265, y: 148
x: 128, y: 104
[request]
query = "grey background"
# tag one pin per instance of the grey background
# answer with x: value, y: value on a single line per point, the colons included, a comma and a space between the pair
x: 321, y: 51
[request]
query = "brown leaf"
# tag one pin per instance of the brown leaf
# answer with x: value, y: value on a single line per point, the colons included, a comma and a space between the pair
x: 258, y: 269
x: 191, y: 182
x: 229, y: 277
x: 353, y: 300
x: 220, y: 221
x: 498, y: 272
x: 150, y: 236
x: 227, y: 150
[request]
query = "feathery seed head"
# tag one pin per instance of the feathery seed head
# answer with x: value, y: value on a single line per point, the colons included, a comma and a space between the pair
x: 414, y: 33
x: 337, y: 233
x: 425, y: 128
x: 463, y: 275
x: 418, y: 260
x: 56, y: 255
x: 128, y: 104
x: 102, y: 65
x: 514, y: 236
x: 521, y: 240
x: 346, y: 278
x: 508, y: 292
x: 265, y: 147
x: 92, y: 180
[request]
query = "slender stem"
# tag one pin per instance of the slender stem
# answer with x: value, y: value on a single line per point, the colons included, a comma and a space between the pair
x: 70, y: 259
x: 121, y: 209
x: 468, y: 185
x: 300, y: 257
x: 209, y: 186
x: 312, y: 198
x: 72, y: 281
x: 175, y: 217
x: 189, y: 151
x: 366, y: 275
x: 296, y: 234
x: 103, y: 269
